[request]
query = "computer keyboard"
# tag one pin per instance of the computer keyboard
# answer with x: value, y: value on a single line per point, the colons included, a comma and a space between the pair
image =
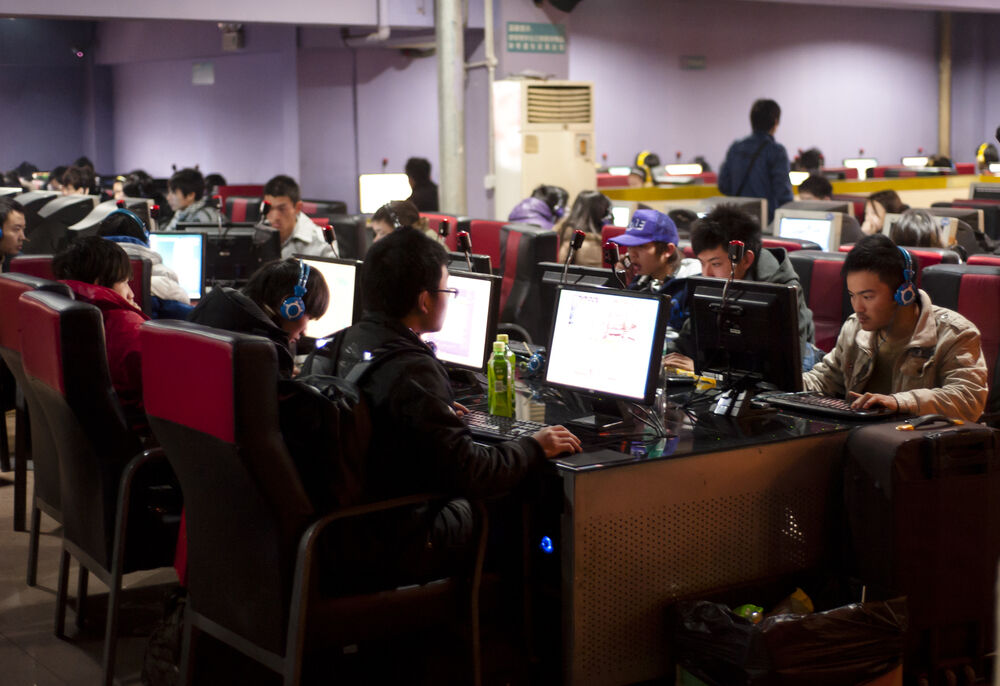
x: 810, y: 401
x: 485, y: 425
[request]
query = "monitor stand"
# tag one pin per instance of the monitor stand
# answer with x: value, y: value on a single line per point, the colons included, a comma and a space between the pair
x: 606, y: 415
x: 736, y: 401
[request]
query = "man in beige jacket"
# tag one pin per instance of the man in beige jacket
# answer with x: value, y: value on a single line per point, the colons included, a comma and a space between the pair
x: 899, y: 350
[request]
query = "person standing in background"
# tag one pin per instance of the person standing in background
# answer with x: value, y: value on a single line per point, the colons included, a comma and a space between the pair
x: 757, y: 166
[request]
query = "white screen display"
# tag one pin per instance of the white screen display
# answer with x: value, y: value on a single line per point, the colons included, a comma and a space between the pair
x: 815, y: 230
x: 621, y: 215
x: 602, y: 342
x: 182, y: 253
x: 462, y: 339
x: 378, y: 189
x: 340, y: 314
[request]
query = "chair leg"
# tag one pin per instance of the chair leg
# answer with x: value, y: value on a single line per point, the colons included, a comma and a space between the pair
x: 61, y: 594
x: 187, y: 653
x: 22, y: 453
x: 36, y: 521
x: 4, y: 446
x: 81, y: 596
x: 111, y: 634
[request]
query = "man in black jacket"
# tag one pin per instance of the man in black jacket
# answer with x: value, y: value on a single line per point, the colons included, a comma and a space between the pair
x: 419, y: 441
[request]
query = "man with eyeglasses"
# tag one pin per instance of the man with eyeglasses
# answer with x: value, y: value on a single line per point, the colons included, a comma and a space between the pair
x: 419, y: 441
x: 299, y: 234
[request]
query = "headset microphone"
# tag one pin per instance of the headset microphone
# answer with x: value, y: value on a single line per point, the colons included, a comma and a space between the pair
x: 575, y: 244
x: 328, y: 234
x: 737, y: 249
x: 613, y: 257
x: 294, y: 306
x: 465, y: 245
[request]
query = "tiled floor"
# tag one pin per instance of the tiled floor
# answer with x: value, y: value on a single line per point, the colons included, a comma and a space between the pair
x: 29, y: 651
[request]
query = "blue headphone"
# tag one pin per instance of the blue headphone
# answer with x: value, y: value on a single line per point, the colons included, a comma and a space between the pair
x: 294, y: 306
x: 138, y: 220
x: 906, y: 294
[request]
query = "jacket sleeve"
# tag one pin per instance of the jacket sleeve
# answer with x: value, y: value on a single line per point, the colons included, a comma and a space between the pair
x: 961, y: 382
x: 420, y: 405
x: 725, y: 181
x: 164, y: 284
x: 780, y: 182
x: 827, y: 377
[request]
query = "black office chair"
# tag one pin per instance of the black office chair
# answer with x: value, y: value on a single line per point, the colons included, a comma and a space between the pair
x: 109, y: 522
x: 252, y: 531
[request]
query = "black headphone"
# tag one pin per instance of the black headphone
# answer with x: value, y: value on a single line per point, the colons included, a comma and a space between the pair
x: 138, y: 220
x: 294, y: 306
x: 906, y: 294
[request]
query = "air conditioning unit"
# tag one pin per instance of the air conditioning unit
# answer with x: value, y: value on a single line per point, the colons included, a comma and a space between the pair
x: 544, y: 134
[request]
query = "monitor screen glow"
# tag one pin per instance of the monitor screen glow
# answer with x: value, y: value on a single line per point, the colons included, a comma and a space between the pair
x: 603, y: 342
x: 340, y: 279
x: 621, y: 215
x: 810, y: 229
x: 378, y: 189
x: 466, y: 332
x: 183, y: 253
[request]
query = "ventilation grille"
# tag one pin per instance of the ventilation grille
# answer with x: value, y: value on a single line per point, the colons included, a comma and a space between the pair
x: 559, y: 104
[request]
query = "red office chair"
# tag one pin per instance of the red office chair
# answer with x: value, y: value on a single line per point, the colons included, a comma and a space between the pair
x: 40, y: 447
x: 825, y: 292
x: 33, y: 265
x: 252, y: 530
x: 485, y: 235
x: 109, y: 523
x: 142, y: 273
x: 974, y: 292
x: 522, y: 247
x: 607, y: 233
x: 926, y: 257
x: 789, y: 244
x: 323, y: 208
x: 984, y: 260
x: 243, y: 209
x: 451, y: 241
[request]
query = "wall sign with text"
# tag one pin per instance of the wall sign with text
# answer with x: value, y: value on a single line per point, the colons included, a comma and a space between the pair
x: 523, y: 36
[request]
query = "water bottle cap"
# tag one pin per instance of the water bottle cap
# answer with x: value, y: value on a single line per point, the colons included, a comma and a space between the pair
x: 499, y: 347
x: 503, y: 338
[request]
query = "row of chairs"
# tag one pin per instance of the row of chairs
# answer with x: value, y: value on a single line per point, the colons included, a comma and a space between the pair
x: 211, y: 399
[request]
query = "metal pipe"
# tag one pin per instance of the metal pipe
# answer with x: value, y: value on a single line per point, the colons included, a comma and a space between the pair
x: 944, y: 84
x: 382, y: 31
x: 451, y: 106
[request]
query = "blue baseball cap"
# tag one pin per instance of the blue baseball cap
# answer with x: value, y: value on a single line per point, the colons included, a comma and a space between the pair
x: 648, y: 226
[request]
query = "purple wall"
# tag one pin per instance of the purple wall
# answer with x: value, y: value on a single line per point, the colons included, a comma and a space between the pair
x: 975, y: 94
x: 842, y: 80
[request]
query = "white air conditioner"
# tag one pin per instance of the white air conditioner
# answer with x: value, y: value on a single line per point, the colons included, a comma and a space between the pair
x: 544, y: 134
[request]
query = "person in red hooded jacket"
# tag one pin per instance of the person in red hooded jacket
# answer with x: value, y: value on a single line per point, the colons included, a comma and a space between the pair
x: 98, y: 272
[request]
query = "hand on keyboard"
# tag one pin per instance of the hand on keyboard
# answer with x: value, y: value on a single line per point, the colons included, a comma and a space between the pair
x: 867, y: 401
x: 556, y: 440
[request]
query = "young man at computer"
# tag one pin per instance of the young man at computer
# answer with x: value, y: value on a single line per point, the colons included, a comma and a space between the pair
x: 12, y: 226
x: 185, y: 194
x: 898, y: 350
x: 816, y: 188
x: 710, y: 239
x: 419, y: 441
x: 299, y: 234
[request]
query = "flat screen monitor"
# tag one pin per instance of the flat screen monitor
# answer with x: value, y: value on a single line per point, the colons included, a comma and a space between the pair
x: 184, y: 253
x: 607, y: 343
x: 622, y: 214
x: 10, y: 191
x: 481, y: 264
x: 342, y: 280
x: 819, y: 227
x: 233, y: 255
x: 753, y: 338
x: 755, y: 207
x: 862, y: 164
x: 470, y: 324
x: 914, y: 161
x: 542, y: 296
x: 378, y: 189
x: 34, y: 200
x: 68, y: 209
x: 984, y: 191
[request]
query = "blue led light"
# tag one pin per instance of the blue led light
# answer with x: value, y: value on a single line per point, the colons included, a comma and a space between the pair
x: 546, y: 545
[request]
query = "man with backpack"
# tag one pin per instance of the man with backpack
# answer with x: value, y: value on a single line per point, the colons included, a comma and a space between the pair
x: 419, y: 442
x: 757, y: 166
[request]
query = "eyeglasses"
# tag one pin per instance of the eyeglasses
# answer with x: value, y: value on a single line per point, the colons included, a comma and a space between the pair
x: 452, y: 291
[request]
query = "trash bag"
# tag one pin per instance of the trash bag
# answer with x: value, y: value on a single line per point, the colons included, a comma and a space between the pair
x: 847, y: 645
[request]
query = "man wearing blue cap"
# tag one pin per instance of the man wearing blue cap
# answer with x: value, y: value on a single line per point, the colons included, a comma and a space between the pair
x: 651, y: 239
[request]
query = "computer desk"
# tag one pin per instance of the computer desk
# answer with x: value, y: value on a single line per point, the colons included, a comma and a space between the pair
x: 724, y: 504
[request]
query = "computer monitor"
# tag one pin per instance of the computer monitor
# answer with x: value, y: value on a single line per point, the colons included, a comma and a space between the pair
x: 984, y: 191
x: 342, y: 280
x: 750, y: 340
x: 797, y: 177
x: 971, y: 216
x: 541, y: 298
x: 209, y: 226
x: 481, y: 264
x: 233, y: 255
x: 184, y: 253
x: 378, y: 189
x: 10, y: 191
x: 914, y: 161
x: 842, y: 206
x: 607, y: 343
x: 819, y: 227
x: 755, y: 207
x: 622, y: 214
x: 89, y: 224
x: 33, y: 201
x: 68, y: 209
x: 947, y: 226
x: 862, y: 164
x: 470, y: 324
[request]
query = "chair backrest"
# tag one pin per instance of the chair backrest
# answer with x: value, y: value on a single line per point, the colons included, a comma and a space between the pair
x: 485, y: 235
x: 451, y: 241
x: 66, y: 365
x: 323, y: 208
x: 926, y: 257
x: 243, y: 208
x: 607, y: 233
x: 34, y: 265
x: 789, y: 244
x: 974, y: 292
x: 825, y: 292
x: 984, y: 260
x: 141, y: 283
x: 850, y: 230
x: 211, y: 397
x: 354, y: 236
x: 244, y: 190
x: 522, y: 246
x: 43, y: 450
x: 857, y: 201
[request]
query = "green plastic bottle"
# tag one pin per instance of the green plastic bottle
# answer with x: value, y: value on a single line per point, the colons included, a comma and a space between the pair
x: 500, y: 383
x: 509, y: 354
